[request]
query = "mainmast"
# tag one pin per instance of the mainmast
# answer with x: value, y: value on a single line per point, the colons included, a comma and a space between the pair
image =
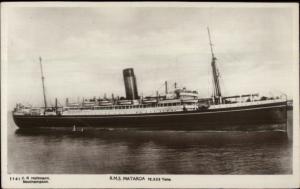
x: 43, y: 78
x: 217, y: 90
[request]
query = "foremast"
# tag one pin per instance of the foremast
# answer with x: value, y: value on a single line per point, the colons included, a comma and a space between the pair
x: 217, y: 95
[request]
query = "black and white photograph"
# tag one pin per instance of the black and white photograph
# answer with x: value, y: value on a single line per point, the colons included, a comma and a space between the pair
x: 148, y: 95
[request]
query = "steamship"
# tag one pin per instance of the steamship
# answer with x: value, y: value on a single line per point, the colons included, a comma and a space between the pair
x: 178, y: 109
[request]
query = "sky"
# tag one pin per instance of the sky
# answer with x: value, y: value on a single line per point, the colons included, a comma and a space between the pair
x: 85, y: 49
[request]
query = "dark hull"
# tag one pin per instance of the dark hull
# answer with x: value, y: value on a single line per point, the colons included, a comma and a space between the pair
x: 259, y: 117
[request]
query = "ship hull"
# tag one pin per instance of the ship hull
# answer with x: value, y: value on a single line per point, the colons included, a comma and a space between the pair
x: 259, y: 117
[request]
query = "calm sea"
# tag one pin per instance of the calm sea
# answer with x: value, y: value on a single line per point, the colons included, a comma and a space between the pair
x: 148, y: 152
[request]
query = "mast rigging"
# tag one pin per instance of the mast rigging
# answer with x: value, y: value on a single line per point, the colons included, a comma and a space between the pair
x: 217, y: 89
x: 43, y: 78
